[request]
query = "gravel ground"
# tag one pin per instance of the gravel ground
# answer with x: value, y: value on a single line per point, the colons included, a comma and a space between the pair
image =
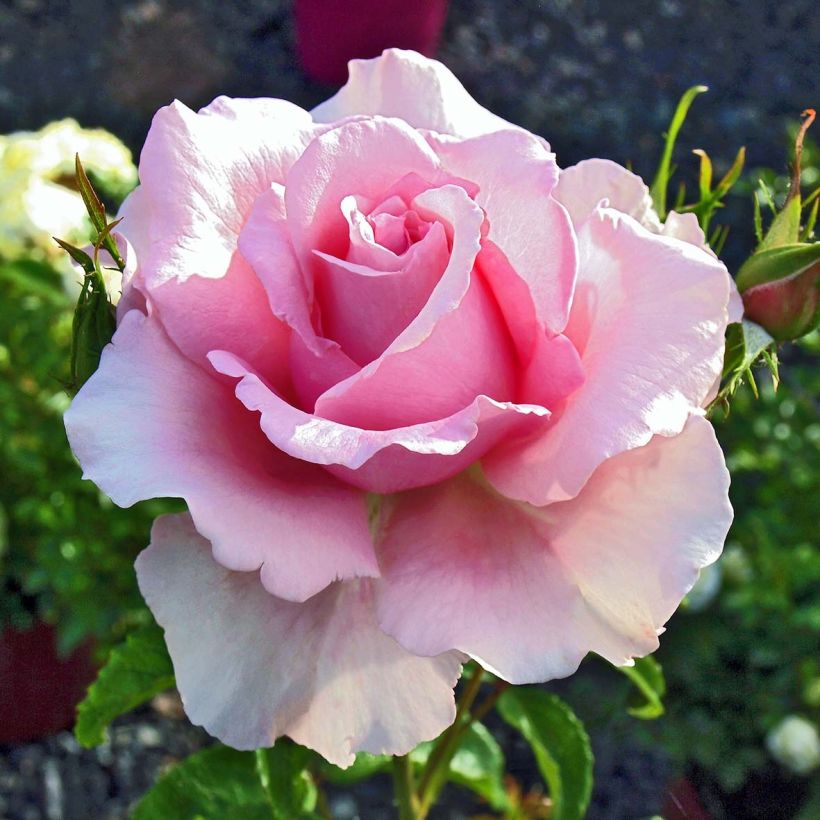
x: 56, y: 779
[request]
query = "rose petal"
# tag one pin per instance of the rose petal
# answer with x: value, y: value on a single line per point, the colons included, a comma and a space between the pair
x: 515, y: 175
x: 314, y: 363
x: 362, y: 158
x: 422, y: 92
x: 134, y: 229
x: 600, y: 573
x: 381, y: 460
x: 252, y: 667
x: 365, y: 309
x: 455, y: 349
x: 201, y: 174
x: 151, y: 424
x: 648, y: 320
x: 582, y: 187
x: 549, y: 365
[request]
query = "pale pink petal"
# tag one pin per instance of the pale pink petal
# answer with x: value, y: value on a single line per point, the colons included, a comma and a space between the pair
x: 313, y: 363
x: 529, y: 591
x: 382, y: 460
x: 200, y: 176
x: 515, y: 175
x: 422, y: 92
x: 735, y: 306
x: 133, y: 240
x: 455, y: 349
x: 200, y: 314
x: 582, y: 187
x: 648, y: 320
x: 151, y: 424
x: 686, y: 228
x: 251, y: 667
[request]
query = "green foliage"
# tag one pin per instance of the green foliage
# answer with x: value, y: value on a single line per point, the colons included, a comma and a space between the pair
x: 68, y: 558
x: 478, y: 765
x: 647, y: 675
x: 661, y: 182
x: 560, y: 744
x: 136, y: 670
x: 223, y: 784
x: 737, y: 668
x: 747, y: 345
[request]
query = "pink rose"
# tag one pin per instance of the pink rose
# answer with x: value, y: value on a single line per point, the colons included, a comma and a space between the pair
x: 426, y: 397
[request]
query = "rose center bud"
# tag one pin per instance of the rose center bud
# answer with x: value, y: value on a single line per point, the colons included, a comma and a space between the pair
x: 394, y: 259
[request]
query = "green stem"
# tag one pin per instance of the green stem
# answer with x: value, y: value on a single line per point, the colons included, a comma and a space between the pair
x: 264, y: 773
x: 486, y: 706
x: 403, y: 788
x: 432, y: 778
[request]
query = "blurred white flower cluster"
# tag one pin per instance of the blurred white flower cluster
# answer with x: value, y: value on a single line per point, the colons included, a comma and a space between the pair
x: 37, y: 195
x: 795, y: 743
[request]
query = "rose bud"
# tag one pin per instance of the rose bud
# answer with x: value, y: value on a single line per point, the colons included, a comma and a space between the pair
x: 779, y: 282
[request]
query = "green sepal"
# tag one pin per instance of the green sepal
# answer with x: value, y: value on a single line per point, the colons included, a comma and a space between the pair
x: 136, y: 670
x: 93, y: 326
x: 785, y: 227
x: 647, y: 675
x: 777, y: 263
x: 560, y: 744
x: 77, y: 254
x: 746, y: 344
x: 96, y: 213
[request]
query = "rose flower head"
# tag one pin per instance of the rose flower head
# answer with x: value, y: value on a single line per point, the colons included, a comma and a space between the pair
x: 427, y: 397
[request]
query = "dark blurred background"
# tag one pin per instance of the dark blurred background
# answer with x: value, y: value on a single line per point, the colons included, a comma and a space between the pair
x: 597, y: 78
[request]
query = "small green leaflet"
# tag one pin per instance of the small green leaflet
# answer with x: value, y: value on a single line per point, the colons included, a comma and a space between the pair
x: 647, y: 675
x: 664, y: 172
x: 746, y: 342
x: 223, y: 784
x: 560, y: 743
x: 135, y: 671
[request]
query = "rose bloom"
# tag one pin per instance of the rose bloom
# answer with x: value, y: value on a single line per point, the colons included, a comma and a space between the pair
x: 427, y: 397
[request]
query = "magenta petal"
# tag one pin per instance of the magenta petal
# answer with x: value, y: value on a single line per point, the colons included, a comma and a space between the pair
x: 648, y: 320
x: 515, y: 174
x: 151, y: 424
x: 529, y: 591
x: 382, y: 460
x: 251, y: 667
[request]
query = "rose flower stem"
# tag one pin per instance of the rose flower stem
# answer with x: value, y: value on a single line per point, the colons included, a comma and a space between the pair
x: 430, y: 783
x: 404, y: 789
